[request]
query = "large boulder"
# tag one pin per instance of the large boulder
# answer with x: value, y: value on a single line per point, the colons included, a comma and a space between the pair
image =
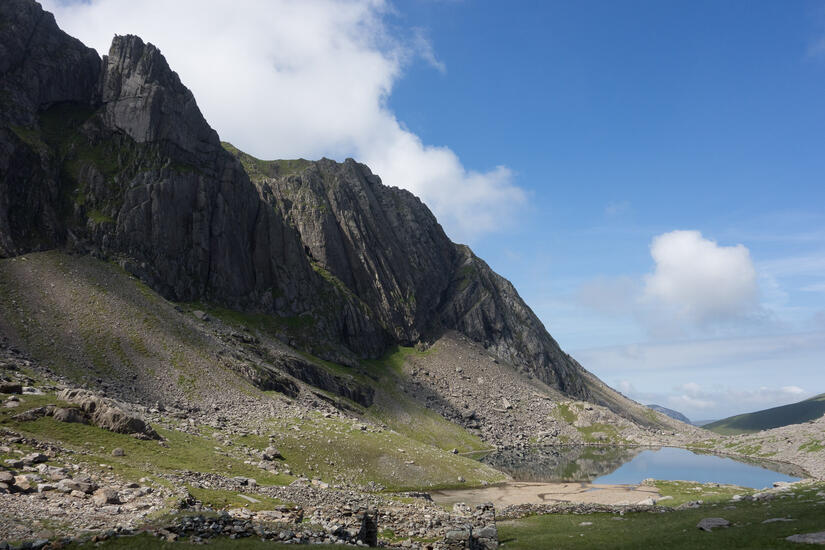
x: 102, y: 412
x: 70, y: 414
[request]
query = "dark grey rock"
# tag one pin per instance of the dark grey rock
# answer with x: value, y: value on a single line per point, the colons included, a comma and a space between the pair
x: 70, y: 414
x: 357, y: 265
x: 709, y: 524
x: 11, y: 387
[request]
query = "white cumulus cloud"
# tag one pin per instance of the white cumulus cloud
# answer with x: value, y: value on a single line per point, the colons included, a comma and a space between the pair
x: 698, y: 280
x: 306, y: 78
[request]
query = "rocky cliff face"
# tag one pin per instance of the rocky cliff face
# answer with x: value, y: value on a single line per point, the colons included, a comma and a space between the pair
x: 387, y: 248
x: 112, y: 157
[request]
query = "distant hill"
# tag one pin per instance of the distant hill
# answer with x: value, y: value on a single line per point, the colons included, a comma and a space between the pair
x: 795, y: 413
x: 704, y: 422
x: 671, y: 413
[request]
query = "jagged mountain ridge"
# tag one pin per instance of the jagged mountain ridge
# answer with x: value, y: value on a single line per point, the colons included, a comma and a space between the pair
x: 112, y: 157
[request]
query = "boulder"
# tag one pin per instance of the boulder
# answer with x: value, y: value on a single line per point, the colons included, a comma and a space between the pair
x: 105, y: 495
x: 70, y: 414
x: 11, y: 387
x: 33, y: 414
x: 709, y: 524
x: 34, y: 458
x: 118, y: 452
x: 22, y: 484
x: 808, y: 538
x: 103, y: 413
x: 271, y: 453
x: 70, y: 485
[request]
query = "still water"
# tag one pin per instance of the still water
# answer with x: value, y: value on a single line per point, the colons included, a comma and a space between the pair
x: 631, y: 465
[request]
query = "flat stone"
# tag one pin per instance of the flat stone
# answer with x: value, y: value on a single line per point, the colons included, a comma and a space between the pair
x: 69, y: 485
x: 457, y: 534
x: 808, y: 538
x: 778, y: 520
x: 709, y: 524
x: 488, y: 532
x: 202, y: 315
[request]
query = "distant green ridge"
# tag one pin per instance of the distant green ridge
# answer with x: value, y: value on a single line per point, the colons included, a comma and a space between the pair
x: 795, y: 413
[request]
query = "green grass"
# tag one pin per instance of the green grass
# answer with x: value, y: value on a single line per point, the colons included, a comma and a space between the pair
x: 99, y: 217
x: 220, y: 499
x: 183, y: 451
x: 408, y: 417
x: 812, y: 446
x: 687, y: 491
x: 672, y: 530
x: 335, y: 450
x: 143, y: 542
x: 589, y: 433
x: 72, y: 329
x: 266, y: 323
x: 795, y: 413
x: 565, y: 413
x: 258, y: 169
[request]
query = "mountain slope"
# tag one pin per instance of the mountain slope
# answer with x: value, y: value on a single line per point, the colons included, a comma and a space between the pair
x: 785, y: 415
x: 115, y: 160
x: 671, y: 413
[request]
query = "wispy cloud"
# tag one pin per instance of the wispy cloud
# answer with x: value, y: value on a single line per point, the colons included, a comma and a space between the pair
x: 777, y: 349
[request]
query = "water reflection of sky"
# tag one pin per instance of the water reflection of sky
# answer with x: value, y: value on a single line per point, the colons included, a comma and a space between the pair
x: 672, y: 464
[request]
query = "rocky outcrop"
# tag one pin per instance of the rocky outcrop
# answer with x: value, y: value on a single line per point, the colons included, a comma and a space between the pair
x: 101, y: 412
x: 112, y: 157
x: 39, y: 66
x: 384, y: 246
x: 122, y: 165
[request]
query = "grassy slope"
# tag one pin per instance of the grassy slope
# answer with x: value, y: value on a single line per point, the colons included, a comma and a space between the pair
x: 142, y: 458
x: 673, y: 530
x: 142, y: 542
x: 87, y: 318
x: 258, y: 169
x: 334, y: 449
x: 795, y: 413
x: 392, y: 406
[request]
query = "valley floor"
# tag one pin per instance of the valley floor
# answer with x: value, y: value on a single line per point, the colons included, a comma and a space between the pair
x: 257, y: 438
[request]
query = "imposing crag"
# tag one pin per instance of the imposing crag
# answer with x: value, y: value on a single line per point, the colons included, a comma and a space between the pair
x: 112, y: 157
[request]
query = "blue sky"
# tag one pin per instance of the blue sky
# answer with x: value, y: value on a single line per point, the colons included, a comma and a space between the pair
x: 627, y: 120
x: 561, y: 140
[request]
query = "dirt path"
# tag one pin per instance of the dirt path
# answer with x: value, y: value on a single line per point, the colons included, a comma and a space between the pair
x: 522, y: 492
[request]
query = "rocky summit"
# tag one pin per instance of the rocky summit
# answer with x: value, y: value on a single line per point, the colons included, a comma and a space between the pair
x: 198, y: 344
x: 112, y: 157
